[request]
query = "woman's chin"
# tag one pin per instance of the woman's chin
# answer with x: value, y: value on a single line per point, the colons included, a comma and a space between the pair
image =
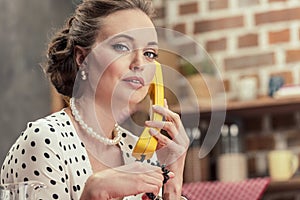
x: 138, y: 96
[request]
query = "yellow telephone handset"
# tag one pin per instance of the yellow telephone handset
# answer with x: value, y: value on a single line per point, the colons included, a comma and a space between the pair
x: 146, y: 144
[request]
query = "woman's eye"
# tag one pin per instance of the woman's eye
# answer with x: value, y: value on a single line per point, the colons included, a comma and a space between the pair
x: 150, y: 55
x: 120, y: 47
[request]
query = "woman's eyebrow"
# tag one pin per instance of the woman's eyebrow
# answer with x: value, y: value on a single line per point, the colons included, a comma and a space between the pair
x: 123, y: 36
x: 152, y: 43
x: 132, y: 39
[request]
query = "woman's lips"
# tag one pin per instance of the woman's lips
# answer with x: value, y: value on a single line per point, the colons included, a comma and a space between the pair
x: 134, y: 81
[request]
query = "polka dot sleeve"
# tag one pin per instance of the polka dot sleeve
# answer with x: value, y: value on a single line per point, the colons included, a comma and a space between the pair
x: 47, y: 151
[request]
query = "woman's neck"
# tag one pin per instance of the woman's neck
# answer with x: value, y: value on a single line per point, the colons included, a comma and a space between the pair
x: 96, y: 116
x: 102, y: 125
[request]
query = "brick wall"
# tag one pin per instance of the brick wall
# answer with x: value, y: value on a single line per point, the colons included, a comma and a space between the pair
x: 243, y: 37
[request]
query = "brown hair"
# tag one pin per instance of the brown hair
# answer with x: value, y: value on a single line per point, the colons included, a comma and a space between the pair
x: 82, y: 29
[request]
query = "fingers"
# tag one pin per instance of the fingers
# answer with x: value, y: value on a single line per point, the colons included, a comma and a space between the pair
x: 168, y: 114
x: 152, y: 182
x: 166, y: 104
x: 165, y: 125
x: 156, y: 124
x: 162, y: 140
x: 172, y: 125
x: 149, y: 180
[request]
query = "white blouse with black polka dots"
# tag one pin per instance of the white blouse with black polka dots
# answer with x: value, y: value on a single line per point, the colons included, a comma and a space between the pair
x: 50, y: 151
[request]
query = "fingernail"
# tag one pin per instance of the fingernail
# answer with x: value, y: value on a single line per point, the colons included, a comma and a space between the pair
x: 153, y: 131
x: 171, y: 174
x: 156, y: 107
x: 166, y: 102
x: 144, y: 197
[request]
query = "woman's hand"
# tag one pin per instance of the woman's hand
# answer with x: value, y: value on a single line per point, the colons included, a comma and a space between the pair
x: 123, y: 181
x: 171, y: 150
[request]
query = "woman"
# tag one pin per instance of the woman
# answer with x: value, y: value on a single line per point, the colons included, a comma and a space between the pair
x: 80, y: 152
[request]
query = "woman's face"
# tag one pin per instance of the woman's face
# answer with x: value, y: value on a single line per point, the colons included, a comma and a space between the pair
x: 123, y: 58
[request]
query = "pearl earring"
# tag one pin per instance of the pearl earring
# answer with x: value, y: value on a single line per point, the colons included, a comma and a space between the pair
x: 83, y: 75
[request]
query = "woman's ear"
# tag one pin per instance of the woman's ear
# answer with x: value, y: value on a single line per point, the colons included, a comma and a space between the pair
x: 80, y: 54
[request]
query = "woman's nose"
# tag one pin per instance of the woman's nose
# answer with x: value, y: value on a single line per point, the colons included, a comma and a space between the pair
x: 137, y: 63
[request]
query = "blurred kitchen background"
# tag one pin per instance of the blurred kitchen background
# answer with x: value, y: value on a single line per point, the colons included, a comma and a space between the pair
x: 255, y: 45
x: 25, y: 27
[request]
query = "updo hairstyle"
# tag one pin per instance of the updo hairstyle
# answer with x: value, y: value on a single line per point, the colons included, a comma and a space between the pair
x: 82, y: 29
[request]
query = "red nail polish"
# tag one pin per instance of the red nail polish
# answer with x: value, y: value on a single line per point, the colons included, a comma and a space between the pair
x: 144, y: 197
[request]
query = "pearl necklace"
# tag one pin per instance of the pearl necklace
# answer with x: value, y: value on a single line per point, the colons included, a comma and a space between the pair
x: 90, y: 130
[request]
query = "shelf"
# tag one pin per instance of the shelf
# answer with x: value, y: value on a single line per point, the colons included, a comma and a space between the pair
x: 280, y: 186
x: 251, y: 107
x: 261, y: 103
